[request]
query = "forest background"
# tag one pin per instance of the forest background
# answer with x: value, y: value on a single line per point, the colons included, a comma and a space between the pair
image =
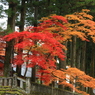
x: 79, y: 53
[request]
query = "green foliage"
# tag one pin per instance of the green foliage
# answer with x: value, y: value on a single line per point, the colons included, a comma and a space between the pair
x: 9, y: 12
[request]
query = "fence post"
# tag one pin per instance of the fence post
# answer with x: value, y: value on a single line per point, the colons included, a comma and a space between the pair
x: 28, y: 85
x: 14, y: 80
x: 5, y: 81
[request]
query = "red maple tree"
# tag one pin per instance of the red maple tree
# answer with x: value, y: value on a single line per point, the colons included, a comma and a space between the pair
x: 38, y: 49
x: 40, y: 46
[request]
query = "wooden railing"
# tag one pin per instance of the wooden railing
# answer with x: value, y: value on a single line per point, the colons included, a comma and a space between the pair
x: 31, y: 88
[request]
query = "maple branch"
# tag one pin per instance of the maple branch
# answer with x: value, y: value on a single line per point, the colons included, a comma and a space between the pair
x: 56, y: 76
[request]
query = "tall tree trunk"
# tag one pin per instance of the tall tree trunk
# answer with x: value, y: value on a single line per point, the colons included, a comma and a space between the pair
x: 73, y: 52
x: 62, y: 64
x: 83, y: 62
x: 9, y: 46
x: 78, y: 53
x: 35, y: 14
x: 33, y: 79
x: 23, y: 14
x: 78, y: 59
x: 92, y: 67
x: 21, y: 28
x: 92, y: 71
x: 48, y: 4
x: 83, y: 57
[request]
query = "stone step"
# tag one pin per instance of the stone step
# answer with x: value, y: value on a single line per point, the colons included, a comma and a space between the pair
x: 11, y: 91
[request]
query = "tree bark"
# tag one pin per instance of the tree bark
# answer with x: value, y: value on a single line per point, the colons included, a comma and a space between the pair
x: 73, y: 52
x: 92, y: 61
x: 83, y: 62
x: 78, y: 54
x: 23, y: 13
x: 21, y: 28
x: 62, y: 65
x: 9, y: 45
x: 78, y: 59
x: 83, y: 57
x: 33, y: 79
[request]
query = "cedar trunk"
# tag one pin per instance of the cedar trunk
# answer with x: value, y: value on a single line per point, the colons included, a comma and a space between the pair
x: 83, y: 57
x: 92, y: 65
x: 73, y: 52
x: 21, y: 28
x: 9, y: 46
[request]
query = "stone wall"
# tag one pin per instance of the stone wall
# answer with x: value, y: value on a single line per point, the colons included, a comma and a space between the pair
x: 38, y: 89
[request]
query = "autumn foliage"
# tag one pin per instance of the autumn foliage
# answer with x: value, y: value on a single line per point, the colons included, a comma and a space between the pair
x: 42, y: 44
x: 39, y: 49
x: 75, y: 79
x: 72, y: 78
x: 81, y: 24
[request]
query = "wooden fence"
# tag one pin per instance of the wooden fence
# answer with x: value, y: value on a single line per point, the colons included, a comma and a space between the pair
x: 32, y: 88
